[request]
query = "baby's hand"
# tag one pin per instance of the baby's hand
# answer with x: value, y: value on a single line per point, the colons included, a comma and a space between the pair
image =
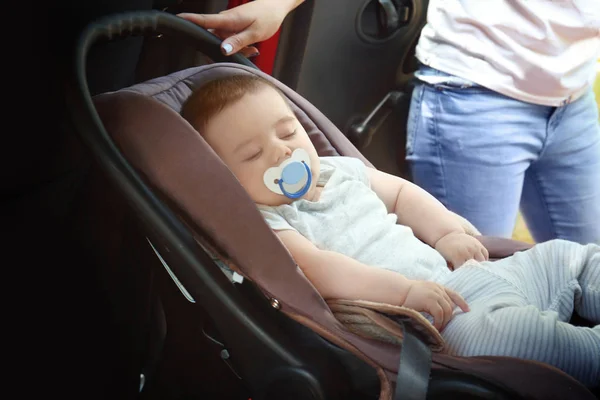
x: 434, y: 299
x: 458, y: 248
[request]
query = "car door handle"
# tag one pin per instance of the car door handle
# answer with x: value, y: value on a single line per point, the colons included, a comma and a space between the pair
x: 392, y: 15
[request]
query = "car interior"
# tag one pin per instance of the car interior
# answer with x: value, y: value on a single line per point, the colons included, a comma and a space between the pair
x: 165, y: 292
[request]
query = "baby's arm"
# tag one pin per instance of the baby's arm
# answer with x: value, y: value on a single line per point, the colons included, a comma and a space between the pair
x: 429, y: 219
x: 336, y: 276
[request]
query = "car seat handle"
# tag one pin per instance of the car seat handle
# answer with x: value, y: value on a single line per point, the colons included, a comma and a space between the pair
x: 85, y: 117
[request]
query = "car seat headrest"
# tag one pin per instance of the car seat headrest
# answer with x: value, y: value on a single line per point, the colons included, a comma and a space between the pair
x: 173, y: 90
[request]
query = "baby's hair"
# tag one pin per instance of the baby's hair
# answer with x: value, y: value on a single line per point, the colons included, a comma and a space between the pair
x: 212, y: 97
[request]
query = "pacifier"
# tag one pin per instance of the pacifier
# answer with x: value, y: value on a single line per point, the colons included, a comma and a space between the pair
x: 292, y: 178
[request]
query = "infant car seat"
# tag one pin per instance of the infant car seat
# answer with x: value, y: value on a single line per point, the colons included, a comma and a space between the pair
x: 282, y: 338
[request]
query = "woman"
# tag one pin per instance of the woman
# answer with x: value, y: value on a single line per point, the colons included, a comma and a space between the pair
x: 502, y: 116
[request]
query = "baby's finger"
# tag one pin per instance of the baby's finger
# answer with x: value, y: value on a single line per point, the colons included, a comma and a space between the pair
x: 458, y: 300
x: 437, y: 313
x: 480, y: 256
x: 485, y: 252
x: 447, y: 306
x: 479, y: 252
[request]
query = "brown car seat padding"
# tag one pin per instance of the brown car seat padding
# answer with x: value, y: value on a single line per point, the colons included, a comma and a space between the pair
x: 378, y: 321
x: 144, y: 123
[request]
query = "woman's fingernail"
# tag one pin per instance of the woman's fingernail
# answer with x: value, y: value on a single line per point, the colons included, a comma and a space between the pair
x: 254, y: 54
x: 227, y: 48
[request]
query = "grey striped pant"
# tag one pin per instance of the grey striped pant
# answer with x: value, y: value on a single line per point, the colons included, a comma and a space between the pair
x: 521, y: 305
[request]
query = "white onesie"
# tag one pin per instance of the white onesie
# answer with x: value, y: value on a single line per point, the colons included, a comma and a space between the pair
x: 349, y: 218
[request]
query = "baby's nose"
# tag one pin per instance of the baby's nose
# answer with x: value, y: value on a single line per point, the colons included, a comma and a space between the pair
x: 283, y: 153
x: 287, y: 151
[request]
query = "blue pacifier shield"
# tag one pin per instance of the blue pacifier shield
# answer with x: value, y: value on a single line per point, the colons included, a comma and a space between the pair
x: 293, y: 173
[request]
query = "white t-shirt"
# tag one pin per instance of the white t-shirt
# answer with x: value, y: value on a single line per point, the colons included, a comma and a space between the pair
x: 538, y: 51
x: 349, y: 218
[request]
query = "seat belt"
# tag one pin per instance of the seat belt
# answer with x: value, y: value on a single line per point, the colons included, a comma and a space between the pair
x: 412, y: 380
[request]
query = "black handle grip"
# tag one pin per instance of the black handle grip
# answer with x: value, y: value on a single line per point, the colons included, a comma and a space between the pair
x: 138, y: 23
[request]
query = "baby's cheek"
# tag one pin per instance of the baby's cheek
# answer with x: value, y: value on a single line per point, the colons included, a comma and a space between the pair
x: 253, y: 182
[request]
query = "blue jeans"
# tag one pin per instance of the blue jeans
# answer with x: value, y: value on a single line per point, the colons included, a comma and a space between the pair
x: 484, y: 155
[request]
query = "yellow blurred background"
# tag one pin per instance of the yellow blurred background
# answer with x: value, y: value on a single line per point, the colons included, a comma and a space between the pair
x: 521, y: 232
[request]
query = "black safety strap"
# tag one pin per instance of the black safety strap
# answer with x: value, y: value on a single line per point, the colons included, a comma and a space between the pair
x: 414, y: 368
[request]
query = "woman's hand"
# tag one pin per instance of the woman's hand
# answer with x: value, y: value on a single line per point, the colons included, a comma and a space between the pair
x: 458, y: 248
x: 244, y: 25
x: 434, y: 299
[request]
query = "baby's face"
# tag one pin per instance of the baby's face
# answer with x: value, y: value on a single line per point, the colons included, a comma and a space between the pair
x: 256, y: 133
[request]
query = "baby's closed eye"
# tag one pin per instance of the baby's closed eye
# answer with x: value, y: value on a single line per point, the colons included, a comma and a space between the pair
x: 253, y: 155
x: 288, y: 135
